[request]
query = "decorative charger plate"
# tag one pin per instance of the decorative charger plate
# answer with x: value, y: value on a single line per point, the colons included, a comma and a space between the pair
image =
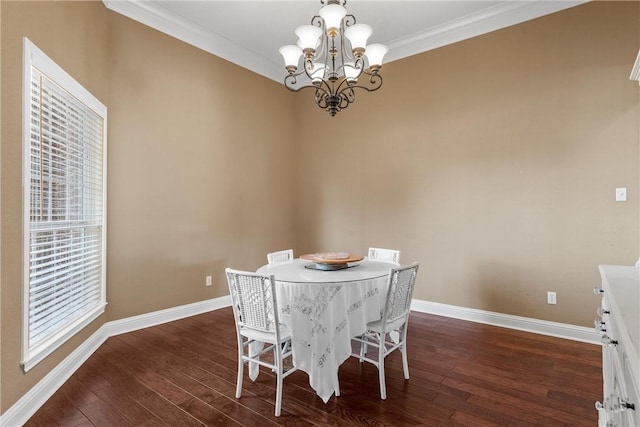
x: 331, y: 260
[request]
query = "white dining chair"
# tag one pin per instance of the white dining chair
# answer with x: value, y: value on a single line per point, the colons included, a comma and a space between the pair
x: 395, y: 318
x: 255, y: 309
x: 280, y: 256
x: 384, y: 255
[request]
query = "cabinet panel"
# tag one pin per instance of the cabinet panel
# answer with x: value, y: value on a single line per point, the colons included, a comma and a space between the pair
x: 620, y: 306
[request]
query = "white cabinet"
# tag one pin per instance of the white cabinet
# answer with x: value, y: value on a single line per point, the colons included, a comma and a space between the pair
x: 619, y: 323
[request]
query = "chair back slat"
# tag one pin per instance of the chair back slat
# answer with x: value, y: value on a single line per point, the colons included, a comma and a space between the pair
x: 401, y: 284
x: 280, y: 256
x: 384, y: 255
x: 253, y: 300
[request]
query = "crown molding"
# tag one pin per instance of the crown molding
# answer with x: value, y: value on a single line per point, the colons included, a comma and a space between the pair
x: 190, y: 33
x: 500, y: 16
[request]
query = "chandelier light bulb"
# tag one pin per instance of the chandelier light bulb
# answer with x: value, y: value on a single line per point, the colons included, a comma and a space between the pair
x: 351, y: 73
x: 332, y: 15
x: 357, y: 35
x: 375, y: 52
x: 308, y: 36
x: 317, y: 73
x: 291, y: 55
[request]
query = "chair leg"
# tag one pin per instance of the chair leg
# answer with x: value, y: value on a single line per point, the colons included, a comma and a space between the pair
x: 403, y: 350
x: 240, y: 371
x: 275, y: 350
x: 363, y: 347
x: 381, y: 354
x: 279, y: 379
x: 405, y: 363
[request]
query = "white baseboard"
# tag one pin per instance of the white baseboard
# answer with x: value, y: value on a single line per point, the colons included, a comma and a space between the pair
x: 134, y: 323
x: 28, y: 404
x: 527, y: 324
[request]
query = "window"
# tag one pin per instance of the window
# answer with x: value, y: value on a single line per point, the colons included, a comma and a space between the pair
x: 64, y: 177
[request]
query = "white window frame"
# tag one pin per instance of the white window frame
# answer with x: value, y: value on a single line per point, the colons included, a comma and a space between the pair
x: 35, y: 58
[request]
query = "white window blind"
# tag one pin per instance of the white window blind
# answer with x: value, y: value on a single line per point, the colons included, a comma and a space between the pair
x: 64, y: 146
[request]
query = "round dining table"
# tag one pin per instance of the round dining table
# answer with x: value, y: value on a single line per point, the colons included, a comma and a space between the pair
x: 324, y: 310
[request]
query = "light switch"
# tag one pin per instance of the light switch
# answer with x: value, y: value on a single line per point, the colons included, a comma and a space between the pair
x: 621, y: 194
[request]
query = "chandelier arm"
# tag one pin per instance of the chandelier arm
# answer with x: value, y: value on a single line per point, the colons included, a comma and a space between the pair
x: 341, y: 2
x: 324, y: 88
x: 374, y: 82
x: 359, y: 65
x: 343, y: 85
x: 349, y: 20
x: 291, y: 83
x: 321, y: 98
x: 348, y: 95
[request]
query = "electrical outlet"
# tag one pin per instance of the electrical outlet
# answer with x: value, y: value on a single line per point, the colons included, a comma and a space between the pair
x: 208, y: 281
x: 551, y: 297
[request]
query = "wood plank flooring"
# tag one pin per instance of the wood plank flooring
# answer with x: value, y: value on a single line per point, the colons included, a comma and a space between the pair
x: 183, y: 373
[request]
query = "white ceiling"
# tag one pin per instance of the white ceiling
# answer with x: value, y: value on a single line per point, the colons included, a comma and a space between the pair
x: 250, y: 32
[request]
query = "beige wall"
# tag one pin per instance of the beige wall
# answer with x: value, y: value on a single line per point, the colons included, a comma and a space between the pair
x: 492, y: 162
x: 200, y: 170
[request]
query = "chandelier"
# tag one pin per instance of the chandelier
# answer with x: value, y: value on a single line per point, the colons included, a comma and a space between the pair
x: 335, y: 58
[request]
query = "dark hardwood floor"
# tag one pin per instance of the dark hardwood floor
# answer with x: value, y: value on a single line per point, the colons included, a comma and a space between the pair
x: 183, y: 373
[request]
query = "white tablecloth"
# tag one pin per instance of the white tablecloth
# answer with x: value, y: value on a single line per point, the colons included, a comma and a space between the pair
x: 324, y: 310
